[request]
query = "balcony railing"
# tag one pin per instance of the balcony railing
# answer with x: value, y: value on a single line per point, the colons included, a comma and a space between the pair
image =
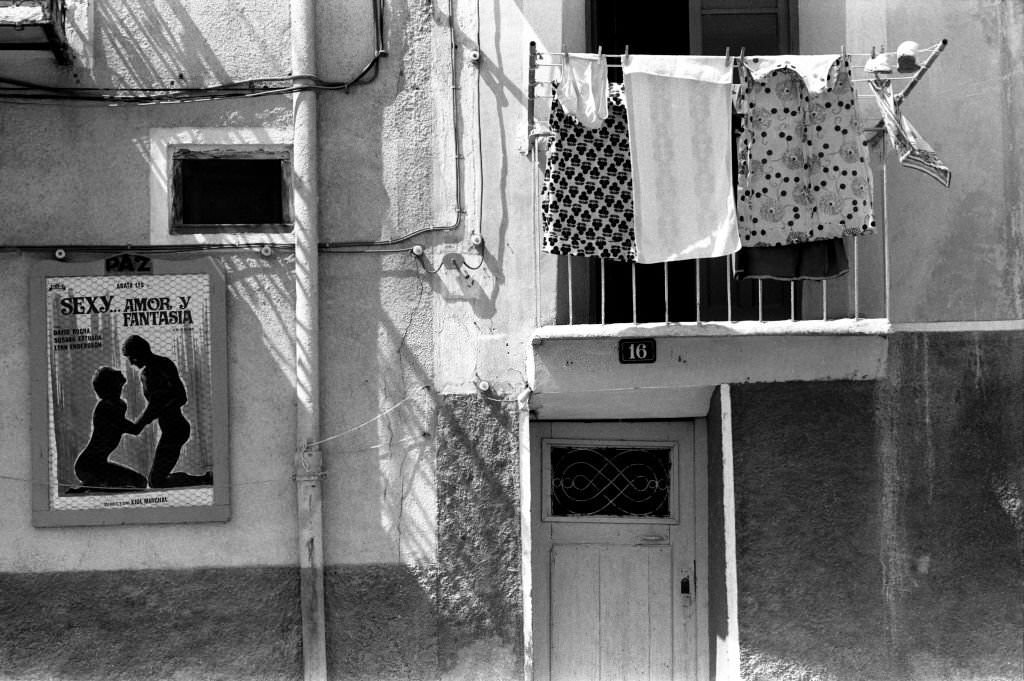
x: 595, y: 291
x: 592, y: 291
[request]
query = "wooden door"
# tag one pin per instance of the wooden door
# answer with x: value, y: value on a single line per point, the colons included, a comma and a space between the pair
x: 615, y: 551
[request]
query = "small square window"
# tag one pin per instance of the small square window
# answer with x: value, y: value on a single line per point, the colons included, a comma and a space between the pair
x: 220, y: 190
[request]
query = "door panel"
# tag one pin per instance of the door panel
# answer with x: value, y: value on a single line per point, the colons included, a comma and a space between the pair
x: 611, y: 614
x: 575, y: 613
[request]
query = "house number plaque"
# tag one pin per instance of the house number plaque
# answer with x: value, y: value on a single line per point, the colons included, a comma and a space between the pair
x: 637, y: 351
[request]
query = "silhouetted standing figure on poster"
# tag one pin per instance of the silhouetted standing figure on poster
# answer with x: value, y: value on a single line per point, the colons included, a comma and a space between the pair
x: 108, y: 425
x: 165, y: 396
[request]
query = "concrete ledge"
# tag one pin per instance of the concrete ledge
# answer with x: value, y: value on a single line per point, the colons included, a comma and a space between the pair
x: 576, y: 371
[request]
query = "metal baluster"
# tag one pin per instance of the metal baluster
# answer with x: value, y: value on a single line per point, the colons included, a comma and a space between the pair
x: 856, y: 280
x: 728, y: 287
x: 885, y: 229
x: 602, y: 292
x: 760, y: 300
x: 665, y: 271
x: 571, y: 287
x: 632, y: 270
x: 696, y: 270
x: 536, y: 234
x: 824, y: 300
x: 792, y: 301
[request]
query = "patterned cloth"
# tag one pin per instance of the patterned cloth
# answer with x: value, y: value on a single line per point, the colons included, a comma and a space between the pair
x: 914, y: 151
x: 587, y: 197
x: 803, y: 172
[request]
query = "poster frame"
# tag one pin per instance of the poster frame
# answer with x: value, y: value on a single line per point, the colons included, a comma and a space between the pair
x: 134, y: 264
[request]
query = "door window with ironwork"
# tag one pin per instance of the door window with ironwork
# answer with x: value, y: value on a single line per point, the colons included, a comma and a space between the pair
x: 609, y: 481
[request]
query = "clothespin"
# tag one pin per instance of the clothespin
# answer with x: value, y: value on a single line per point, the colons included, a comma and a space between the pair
x: 842, y: 49
x: 743, y: 53
x: 727, y: 59
x: 599, y: 49
x: 626, y: 53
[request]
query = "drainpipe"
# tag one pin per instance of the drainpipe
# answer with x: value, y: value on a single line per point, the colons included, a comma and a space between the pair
x: 308, y: 458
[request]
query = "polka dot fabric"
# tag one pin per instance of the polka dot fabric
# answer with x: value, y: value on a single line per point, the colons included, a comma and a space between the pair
x: 587, y: 197
x: 803, y: 172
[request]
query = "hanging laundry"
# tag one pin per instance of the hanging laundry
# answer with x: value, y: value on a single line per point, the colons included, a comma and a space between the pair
x: 680, y: 129
x: 803, y: 172
x: 583, y: 88
x: 811, y: 260
x: 914, y: 152
x: 587, y: 197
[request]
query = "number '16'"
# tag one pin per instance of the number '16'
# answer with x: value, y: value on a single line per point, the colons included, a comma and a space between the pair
x: 637, y: 351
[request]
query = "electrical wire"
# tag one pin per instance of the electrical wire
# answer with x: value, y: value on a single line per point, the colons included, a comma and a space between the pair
x: 23, y: 90
x: 252, y: 87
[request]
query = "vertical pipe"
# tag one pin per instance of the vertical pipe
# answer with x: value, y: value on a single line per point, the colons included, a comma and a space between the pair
x: 531, y: 91
x: 308, y: 459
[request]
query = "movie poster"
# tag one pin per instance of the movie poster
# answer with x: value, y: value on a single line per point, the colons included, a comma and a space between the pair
x: 130, y: 390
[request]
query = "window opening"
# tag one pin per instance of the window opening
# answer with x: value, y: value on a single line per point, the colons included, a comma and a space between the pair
x: 230, y: 190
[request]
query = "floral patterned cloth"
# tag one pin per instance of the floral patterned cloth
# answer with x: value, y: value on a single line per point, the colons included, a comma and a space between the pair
x: 587, y: 197
x: 803, y: 172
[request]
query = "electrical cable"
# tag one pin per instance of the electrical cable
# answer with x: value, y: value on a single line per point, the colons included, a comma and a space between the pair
x: 225, y: 91
x: 27, y: 90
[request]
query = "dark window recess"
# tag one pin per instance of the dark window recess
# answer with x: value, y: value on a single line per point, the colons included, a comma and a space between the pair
x: 700, y: 27
x: 214, y: 193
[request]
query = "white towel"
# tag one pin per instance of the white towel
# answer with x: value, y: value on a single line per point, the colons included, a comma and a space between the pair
x: 583, y: 88
x: 680, y: 131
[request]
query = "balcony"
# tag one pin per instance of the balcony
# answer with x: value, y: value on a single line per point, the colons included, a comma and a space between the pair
x: 34, y: 25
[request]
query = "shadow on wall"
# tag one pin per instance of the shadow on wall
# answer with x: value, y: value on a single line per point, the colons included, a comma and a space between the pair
x: 142, y: 44
x: 479, y: 586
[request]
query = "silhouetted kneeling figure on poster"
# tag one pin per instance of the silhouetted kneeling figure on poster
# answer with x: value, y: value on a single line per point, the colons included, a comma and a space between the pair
x: 165, y: 396
x: 108, y: 425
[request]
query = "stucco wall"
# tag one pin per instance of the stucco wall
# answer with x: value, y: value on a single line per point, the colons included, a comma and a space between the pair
x: 967, y: 238
x: 81, y: 175
x: 880, y: 531
x: 479, y: 585
x: 201, y: 625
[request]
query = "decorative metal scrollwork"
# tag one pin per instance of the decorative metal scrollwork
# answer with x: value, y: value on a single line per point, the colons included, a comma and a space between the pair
x: 611, y: 481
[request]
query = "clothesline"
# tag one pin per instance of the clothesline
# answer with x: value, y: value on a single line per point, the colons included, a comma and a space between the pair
x: 734, y: 60
x: 606, y: 173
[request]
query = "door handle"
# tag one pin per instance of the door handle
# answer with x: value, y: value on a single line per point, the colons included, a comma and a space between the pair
x: 652, y: 537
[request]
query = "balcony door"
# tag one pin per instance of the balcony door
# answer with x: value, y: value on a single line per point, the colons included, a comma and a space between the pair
x: 623, y: 292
